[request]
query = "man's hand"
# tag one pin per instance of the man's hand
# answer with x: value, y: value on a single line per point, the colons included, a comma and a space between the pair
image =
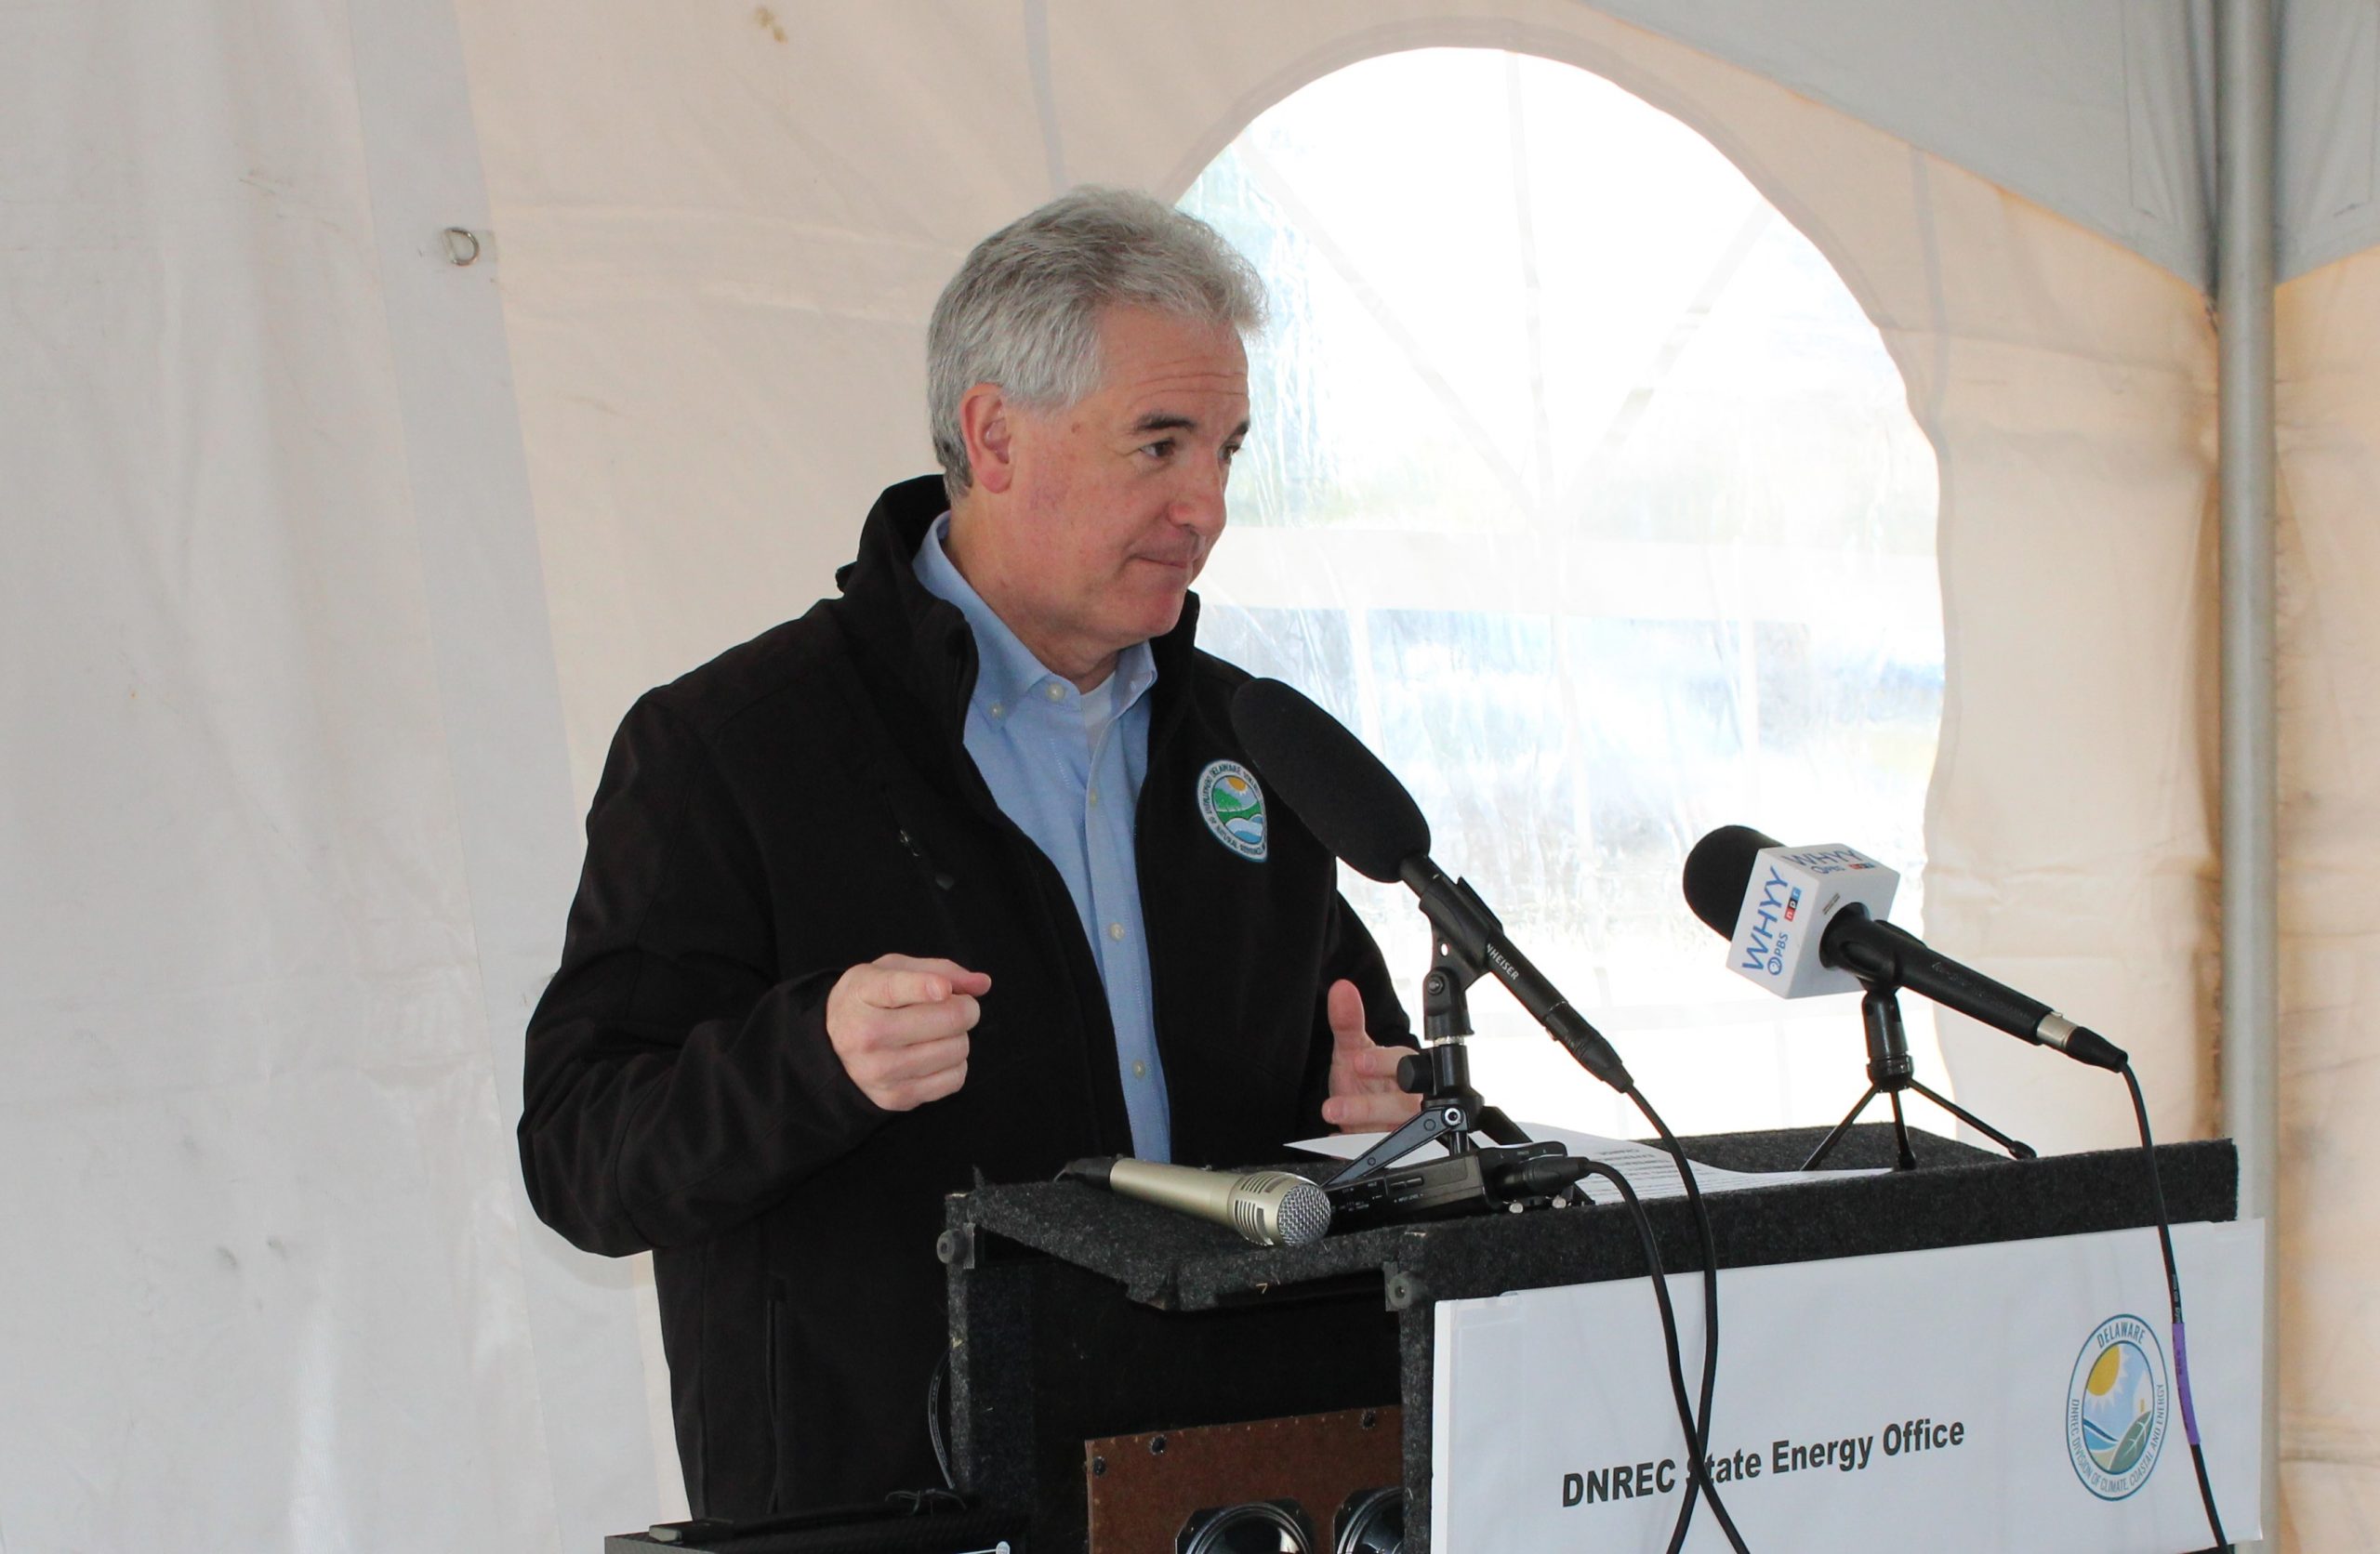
x: 1364, y: 1097
x: 899, y: 1026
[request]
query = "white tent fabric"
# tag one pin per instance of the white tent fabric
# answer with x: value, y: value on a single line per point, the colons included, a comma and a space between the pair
x: 302, y: 698
x: 286, y: 813
x: 2329, y: 410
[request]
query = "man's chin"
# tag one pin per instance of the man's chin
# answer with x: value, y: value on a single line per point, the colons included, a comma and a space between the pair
x: 1159, y: 615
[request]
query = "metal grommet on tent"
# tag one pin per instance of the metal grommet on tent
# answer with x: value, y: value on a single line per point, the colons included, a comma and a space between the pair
x: 462, y: 245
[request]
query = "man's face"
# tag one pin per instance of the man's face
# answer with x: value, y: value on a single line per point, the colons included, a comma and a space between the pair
x: 1118, y: 498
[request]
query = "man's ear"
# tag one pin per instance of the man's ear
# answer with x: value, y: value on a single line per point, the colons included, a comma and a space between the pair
x: 986, y: 422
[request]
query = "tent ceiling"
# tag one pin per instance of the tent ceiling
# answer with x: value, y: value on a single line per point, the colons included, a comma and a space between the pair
x: 2090, y: 108
x: 2330, y: 132
x: 2098, y: 109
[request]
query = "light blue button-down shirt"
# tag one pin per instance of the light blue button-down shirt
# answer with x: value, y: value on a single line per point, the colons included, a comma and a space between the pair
x: 1070, y: 779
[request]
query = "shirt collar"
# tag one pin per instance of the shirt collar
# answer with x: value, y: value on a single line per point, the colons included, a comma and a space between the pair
x: 1007, y: 670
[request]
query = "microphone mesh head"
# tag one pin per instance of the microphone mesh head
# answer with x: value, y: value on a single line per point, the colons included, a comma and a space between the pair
x: 1716, y: 873
x: 1352, y: 803
x: 1301, y: 1211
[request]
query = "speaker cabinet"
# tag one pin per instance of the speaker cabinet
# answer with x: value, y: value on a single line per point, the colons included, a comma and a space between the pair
x: 1269, y: 1486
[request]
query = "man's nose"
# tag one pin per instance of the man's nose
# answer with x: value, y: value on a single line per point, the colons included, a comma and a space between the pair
x: 1198, y: 504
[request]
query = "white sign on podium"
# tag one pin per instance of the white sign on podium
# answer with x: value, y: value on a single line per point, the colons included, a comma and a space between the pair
x: 2012, y: 1395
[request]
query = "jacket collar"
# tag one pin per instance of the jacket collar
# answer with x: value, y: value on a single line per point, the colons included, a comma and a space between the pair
x: 925, y: 641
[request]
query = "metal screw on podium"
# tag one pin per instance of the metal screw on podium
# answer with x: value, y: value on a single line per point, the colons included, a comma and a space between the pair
x: 1157, y: 1445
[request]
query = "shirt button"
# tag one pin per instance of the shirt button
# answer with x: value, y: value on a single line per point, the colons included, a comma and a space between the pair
x: 1115, y: 930
x: 1057, y: 691
x: 1094, y: 795
x: 998, y: 711
x: 1140, y: 1071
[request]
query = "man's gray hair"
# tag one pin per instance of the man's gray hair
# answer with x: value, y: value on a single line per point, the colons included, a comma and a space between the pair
x: 1024, y: 311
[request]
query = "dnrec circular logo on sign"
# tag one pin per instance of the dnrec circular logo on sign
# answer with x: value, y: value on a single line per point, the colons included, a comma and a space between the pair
x: 2116, y: 1408
x: 1233, y: 807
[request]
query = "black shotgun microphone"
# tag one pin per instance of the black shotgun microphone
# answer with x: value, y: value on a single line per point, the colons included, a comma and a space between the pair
x: 1723, y: 881
x: 1347, y: 799
x: 1358, y: 809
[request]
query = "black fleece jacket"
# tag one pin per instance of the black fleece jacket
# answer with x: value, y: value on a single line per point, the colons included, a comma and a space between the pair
x: 803, y: 804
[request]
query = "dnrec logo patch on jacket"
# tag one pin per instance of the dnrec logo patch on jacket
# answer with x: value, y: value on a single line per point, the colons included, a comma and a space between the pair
x: 1233, y: 807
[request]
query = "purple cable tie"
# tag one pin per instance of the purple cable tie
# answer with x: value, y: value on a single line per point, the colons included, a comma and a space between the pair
x: 2182, y: 1379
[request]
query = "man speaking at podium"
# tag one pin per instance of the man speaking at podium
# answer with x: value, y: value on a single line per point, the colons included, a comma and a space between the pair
x: 963, y: 870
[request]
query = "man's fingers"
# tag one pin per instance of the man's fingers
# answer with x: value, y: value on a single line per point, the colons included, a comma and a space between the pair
x: 893, y: 1065
x: 907, y: 1095
x: 1372, y: 1063
x: 949, y: 1082
x: 932, y: 977
x: 911, y: 1023
x: 1364, y: 1092
x: 898, y: 989
x: 899, y: 1027
x: 1370, y: 1113
x: 1345, y: 1005
x: 891, y: 988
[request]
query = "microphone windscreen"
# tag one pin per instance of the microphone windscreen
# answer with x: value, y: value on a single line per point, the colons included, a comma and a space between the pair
x: 1718, y: 871
x: 1346, y: 798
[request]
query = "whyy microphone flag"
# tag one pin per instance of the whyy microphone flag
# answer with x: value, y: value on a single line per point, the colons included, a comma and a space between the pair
x: 1792, y: 894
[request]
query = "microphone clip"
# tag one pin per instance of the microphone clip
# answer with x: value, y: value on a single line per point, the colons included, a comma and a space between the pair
x: 1471, y: 943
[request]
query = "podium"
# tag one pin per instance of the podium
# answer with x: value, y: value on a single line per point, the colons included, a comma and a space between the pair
x: 1090, y: 1331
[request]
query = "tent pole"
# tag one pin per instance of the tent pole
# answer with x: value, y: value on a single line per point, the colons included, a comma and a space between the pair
x: 2245, y: 82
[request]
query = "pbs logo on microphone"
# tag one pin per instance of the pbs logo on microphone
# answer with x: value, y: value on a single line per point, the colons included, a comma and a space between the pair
x: 1793, y: 893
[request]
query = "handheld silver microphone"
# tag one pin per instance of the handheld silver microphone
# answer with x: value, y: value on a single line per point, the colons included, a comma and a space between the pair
x: 1270, y: 1208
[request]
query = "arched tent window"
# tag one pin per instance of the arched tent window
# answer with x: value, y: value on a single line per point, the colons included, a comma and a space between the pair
x: 1584, y: 491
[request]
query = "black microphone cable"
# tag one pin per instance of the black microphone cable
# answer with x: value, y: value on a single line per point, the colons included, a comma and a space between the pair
x: 1710, y: 1335
x: 2173, y: 1296
x: 1571, y: 1168
x: 1696, y: 1426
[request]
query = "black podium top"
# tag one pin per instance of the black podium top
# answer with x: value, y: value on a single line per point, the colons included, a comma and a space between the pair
x: 1958, y: 1196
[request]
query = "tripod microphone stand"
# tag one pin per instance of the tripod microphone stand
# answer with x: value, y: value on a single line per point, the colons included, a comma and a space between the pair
x: 1473, y: 1177
x: 1889, y: 1072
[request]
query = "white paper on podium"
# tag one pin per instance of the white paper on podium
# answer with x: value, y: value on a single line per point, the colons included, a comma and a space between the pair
x: 1963, y: 1385
x: 1650, y: 1170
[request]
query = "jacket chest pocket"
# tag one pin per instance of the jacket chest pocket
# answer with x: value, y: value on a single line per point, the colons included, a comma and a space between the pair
x: 956, y: 903
x: 930, y: 882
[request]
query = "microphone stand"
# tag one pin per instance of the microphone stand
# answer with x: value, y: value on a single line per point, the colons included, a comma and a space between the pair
x: 1451, y: 1110
x: 1889, y: 1072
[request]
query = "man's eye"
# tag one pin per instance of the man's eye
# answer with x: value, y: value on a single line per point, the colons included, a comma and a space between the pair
x: 1230, y: 451
x: 1162, y: 448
